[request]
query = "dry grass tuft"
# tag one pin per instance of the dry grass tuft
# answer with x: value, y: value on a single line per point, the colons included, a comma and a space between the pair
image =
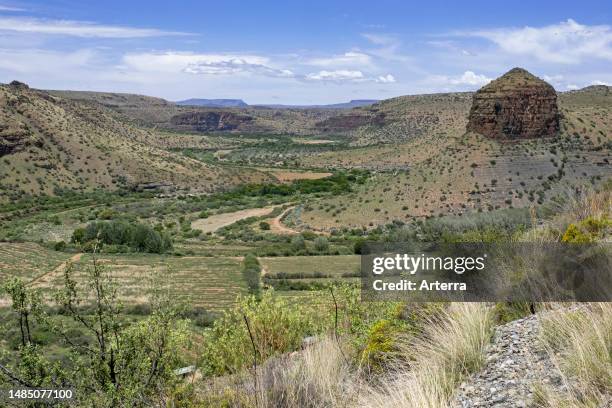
x: 451, y: 349
x: 580, y: 342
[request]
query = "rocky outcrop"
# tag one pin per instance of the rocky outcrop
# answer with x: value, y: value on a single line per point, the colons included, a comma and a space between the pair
x: 210, y: 120
x: 517, y: 105
x: 15, y: 135
x: 351, y: 121
x: 13, y: 139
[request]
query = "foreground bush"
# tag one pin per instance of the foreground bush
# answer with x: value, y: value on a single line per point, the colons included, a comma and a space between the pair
x: 276, y: 327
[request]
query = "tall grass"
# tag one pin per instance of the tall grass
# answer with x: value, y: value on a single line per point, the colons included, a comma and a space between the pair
x: 580, y: 343
x: 449, y: 350
x: 317, y: 377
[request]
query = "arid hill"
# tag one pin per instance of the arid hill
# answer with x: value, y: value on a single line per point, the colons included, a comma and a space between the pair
x: 160, y: 114
x: 516, y: 105
x: 49, y: 143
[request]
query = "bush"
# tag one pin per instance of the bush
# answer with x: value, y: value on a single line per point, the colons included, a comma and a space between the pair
x: 321, y: 244
x: 358, y: 246
x: 276, y: 326
x: 139, y: 237
x: 298, y: 243
x: 378, y: 345
x: 264, y: 226
x: 588, y: 230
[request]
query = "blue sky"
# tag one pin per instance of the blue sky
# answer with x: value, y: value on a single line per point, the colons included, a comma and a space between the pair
x: 300, y: 52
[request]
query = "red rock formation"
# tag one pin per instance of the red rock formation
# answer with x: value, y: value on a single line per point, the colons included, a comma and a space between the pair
x: 517, y: 105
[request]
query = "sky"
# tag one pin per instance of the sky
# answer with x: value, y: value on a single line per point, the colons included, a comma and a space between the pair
x: 300, y: 52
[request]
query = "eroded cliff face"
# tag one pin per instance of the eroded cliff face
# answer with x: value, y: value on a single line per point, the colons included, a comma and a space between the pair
x: 211, y: 121
x: 350, y: 121
x: 517, y: 105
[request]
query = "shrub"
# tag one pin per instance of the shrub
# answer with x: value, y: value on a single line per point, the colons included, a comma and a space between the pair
x: 358, y: 246
x: 139, y: 237
x: 321, y: 244
x: 298, y: 243
x: 379, y: 344
x: 276, y: 326
x: 587, y: 230
x: 264, y: 226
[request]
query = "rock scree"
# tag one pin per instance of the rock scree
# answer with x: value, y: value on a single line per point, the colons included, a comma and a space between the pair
x: 517, y: 105
x: 516, y: 362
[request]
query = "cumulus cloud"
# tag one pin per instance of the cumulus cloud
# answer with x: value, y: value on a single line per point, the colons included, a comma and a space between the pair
x: 174, y: 61
x: 597, y: 82
x: 467, y: 78
x: 77, y: 28
x: 204, y: 64
x: 235, y: 66
x: 386, y: 79
x: 567, y: 42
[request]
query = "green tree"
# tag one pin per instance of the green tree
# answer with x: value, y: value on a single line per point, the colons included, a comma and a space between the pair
x: 321, y: 244
x: 298, y: 243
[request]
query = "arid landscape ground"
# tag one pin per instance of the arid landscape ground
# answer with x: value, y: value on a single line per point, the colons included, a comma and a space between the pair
x: 258, y: 215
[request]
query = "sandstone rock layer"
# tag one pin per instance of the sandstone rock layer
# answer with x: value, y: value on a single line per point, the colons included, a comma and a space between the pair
x: 517, y: 105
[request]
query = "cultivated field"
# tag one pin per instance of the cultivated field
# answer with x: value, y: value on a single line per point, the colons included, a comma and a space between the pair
x: 304, y: 266
x: 212, y: 283
x: 28, y: 260
x: 214, y: 222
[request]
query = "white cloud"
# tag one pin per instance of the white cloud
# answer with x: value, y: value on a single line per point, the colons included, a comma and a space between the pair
x: 204, y: 64
x: 9, y: 8
x: 351, y: 59
x: 386, y: 79
x: 235, y: 66
x: 346, y: 75
x: 567, y: 42
x: 572, y: 87
x: 77, y: 28
x: 174, y: 61
x: 338, y: 75
x: 469, y: 78
x: 597, y: 82
x: 552, y: 78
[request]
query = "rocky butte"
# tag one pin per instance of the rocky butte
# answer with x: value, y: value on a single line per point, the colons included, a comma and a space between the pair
x: 517, y: 105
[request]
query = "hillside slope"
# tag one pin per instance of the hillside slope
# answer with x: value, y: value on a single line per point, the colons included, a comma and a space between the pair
x: 450, y: 171
x: 49, y: 143
x: 158, y: 113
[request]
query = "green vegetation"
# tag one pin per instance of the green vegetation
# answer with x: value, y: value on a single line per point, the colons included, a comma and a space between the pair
x: 251, y: 271
x: 118, y: 362
x: 122, y: 236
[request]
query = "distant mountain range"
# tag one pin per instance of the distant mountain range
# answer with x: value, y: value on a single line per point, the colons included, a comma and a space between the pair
x: 214, y: 103
x: 344, y: 105
x: 239, y: 103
